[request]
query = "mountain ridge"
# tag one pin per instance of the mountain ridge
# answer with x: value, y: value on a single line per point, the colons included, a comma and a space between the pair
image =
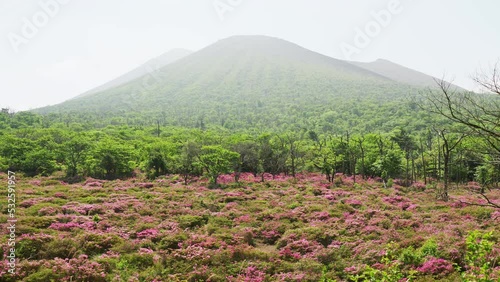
x: 141, y: 70
x: 400, y: 73
x: 251, y: 82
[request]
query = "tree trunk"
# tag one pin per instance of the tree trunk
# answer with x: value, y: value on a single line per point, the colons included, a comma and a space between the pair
x: 424, y: 168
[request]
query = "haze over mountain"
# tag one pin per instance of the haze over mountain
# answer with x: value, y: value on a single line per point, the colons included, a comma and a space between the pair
x: 399, y: 73
x: 248, y: 80
x: 148, y: 67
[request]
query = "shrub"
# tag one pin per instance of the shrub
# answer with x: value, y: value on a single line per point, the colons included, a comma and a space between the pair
x: 42, y: 208
x: 137, y: 261
x: 429, y: 248
x: 94, y: 244
x: 191, y: 221
x: 316, y: 234
x: 220, y: 222
x: 42, y: 275
x: 171, y: 242
x: 436, y: 266
x: 479, y: 257
x: 251, y: 273
x: 410, y: 256
x: 61, y: 248
x: 35, y: 221
x: 389, y: 270
x: 29, y: 246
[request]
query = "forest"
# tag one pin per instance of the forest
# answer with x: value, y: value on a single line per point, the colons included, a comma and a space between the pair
x: 448, y: 149
x: 105, y: 198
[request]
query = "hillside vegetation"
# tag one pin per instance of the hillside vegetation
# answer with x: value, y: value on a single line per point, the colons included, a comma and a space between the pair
x: 283, y: 229
x: 255, y: 159
x: 255, y: 82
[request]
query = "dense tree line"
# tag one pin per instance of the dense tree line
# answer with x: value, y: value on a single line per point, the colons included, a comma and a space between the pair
x: 446, y: 155
x: 458, y: 143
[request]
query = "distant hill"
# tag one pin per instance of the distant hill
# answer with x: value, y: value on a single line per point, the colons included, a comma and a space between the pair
x: 399, y: 73
x: 253, y: 82
x: 148, y: 67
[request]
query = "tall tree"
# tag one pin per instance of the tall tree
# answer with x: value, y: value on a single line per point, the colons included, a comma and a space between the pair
x: 249, y: 158
x: 216, y: 161
x: 187, y: 163
x: 450, y: 143
x: 406, y: 143
x: 74, y: 152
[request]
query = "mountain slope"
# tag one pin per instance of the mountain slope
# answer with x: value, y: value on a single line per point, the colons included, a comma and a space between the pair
x: 399, y: 73
x: 148, y: 67
x: 248, y: 82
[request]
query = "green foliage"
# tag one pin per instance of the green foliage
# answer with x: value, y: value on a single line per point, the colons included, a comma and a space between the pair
x: 392, y: 270
x: 75, y: 152
x: 30, y: 159
x: 484, y: 174
x: 216, y: 160
x: 429, y: 248
x: 135, y: 261
x: 480, y: 263
x: 115, y: 151
x: 31, y: 248
x: 110, y: 159
x: 170, y: 242
x: 43, y: 275
x: 480, y: 214
x: 249, y: 157
x: 191, y: 221
x: 258, y: 88
x: 4, y: 164
x: 388, y: 165
x: 95, y: 244
x: 187, y: 162
x: 159, y: 159
x: 411, y: 257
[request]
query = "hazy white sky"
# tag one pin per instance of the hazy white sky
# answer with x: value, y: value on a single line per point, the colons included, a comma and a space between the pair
x: 66, y: 47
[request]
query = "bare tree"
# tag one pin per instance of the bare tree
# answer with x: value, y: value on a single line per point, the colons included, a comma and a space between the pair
x: 478, y: 112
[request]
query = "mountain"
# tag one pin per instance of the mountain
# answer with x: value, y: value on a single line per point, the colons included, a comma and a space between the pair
x: 148, y: 67
x: 251, y: 82
x: 399, y: 73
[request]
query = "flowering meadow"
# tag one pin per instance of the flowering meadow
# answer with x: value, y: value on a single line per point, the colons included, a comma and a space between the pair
x: 283, y: 229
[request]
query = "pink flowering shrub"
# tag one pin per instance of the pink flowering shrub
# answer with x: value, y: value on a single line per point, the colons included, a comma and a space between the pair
x: 145, y: 185
x: 148, y: 234
x: 71, y: 225
x: 353, y: 202
x: 243, y: 219
x: 436, y: 266
x: 90, y: 182
x: 321, y: 215
x: 83, y: 209
x: 33, y: 201
x: 77, y: 269
x: 298, y: 249
x: 60, y: 195
x: 474, y: 186
x: 251, y: 274
x: 35, y: 182
x: 283, y: 229
x: 419, y: 186
x: 291, y: 277
x: 45, y: 211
